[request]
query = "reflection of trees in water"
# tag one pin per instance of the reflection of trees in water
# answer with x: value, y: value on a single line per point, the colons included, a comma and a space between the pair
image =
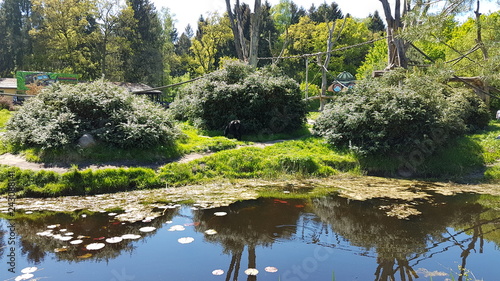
x: 95, y: 226
x: 400, y: 244
x: 249, y: 224
x: 2, y: 242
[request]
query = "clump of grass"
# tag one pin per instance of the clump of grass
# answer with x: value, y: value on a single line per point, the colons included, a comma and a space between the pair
x: 5, y: 115
x: 195, y: 142
x: 309, y: 157
x: 455, y: 161
x: 75, y: 182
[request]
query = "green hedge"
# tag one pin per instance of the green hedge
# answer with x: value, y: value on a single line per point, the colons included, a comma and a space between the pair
x: 61, y: 114
x: 265, y: 100
x: 397, y: 115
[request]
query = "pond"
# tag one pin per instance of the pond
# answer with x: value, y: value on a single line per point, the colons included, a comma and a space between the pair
x: 330, y: 238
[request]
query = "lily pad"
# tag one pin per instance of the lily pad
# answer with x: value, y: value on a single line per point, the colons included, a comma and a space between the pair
x: 114, y: 240
x: 271, y: 269
x: 76, y: 242
x: 131, y: 236
x: 28, y: 270
x: 220, y: 214
x: 52, y: 226
x: 251, y: 271
x: 65, y: 238
x: 147, y: 229
x: 218, y: 272
x: 210, y: 232
x: 176, y: 228
x: 95, y: 246
x: 185, y: 240
x: 58, y: 250
x: 26, y: 276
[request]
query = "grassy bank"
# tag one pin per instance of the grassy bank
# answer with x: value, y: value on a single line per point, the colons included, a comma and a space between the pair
x: 307, y: 157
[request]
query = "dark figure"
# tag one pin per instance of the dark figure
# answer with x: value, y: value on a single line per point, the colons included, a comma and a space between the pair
x: 233, y: 128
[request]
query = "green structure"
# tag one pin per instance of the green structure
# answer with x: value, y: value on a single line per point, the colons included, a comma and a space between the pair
x: 344, y: 80
x: 38, y: 78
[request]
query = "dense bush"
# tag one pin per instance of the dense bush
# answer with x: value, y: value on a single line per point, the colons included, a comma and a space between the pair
x: 391, y: 116
x: 264, y: 100
x: 61, y: 114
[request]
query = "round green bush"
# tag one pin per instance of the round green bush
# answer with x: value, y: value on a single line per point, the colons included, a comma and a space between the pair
x: 61, y: 114
x: 377, y: 118
x: 265, y: 100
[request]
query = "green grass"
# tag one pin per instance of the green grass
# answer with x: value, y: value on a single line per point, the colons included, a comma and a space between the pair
x: 457, y: 160
x: 302, y: 158
x: 196, y: 141
x: 309, y: 157
x: 5, y: 115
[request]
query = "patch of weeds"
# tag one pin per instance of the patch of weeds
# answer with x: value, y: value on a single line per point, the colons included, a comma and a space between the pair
x: 492, y: 174
x: 196, y: 141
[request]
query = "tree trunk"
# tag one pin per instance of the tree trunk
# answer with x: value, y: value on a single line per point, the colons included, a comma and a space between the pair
x: 325, y: 65
x: 479, y: 39
x: 396, y: 53
x: 254, y: 40
x: 236, y: 34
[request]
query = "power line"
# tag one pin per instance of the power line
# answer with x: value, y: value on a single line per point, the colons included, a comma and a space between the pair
x: 323, y: 53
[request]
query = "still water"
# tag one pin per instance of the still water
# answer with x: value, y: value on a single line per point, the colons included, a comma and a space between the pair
x: 331, y: 238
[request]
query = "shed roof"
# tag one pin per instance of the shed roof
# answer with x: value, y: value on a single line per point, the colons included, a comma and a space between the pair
x: 8, y: 83
x: 345, y: 77
x: 136, y: 87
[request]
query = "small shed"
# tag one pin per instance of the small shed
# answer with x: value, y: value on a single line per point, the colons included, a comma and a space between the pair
x: 8, y: 86
x: 142, y: 90
x: 343, y: 81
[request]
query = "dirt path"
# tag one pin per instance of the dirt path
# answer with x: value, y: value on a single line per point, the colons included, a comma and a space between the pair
x: 20, y: 162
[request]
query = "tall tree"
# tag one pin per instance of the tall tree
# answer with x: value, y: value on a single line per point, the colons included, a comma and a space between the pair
x: 109, y: 17
x: 15, y: 24
x: 65, y: 36
x: 146, y: 63
x: 168, y: 49
x: 269, y: 34
x: 246, y: 29
x: 183, y: 52
x: 414, y: 15
x: 376, y: 23
x: 325, y: 12
x: 216, y: 33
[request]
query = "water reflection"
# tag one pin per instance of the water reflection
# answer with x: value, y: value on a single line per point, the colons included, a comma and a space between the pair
x: 402, y: 244
x: 250, y: 224
x: 89, y: 228
x: 250, y: 229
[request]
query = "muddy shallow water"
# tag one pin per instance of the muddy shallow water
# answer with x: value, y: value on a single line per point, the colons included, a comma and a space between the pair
x: 313, y: 239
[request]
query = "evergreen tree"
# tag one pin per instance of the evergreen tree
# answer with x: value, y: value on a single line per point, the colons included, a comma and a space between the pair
x: 268, y: 34
x: 376, y: 23
x: 325, y: 13
x: 296, y: 13
x: 14, y: 27
x: 182, y: 49
x: 146, y: 63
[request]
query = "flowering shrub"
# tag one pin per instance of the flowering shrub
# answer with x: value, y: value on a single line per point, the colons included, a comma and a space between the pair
x: 61, y: 114
x: 263, y: 99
